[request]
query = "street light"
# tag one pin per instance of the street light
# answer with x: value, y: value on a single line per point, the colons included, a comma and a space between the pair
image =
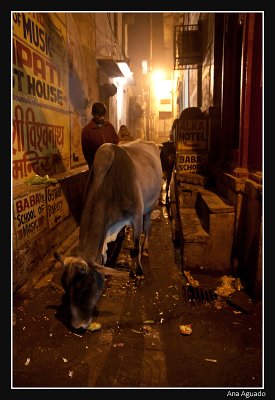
x: 127, y: 73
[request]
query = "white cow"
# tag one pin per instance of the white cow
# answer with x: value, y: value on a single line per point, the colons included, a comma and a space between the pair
x: 123, y: 187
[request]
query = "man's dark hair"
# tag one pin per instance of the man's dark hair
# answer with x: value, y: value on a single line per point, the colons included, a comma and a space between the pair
x: 99, y: 109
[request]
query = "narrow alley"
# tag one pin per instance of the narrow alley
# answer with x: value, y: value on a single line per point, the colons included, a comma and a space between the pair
x: 140, y: 343
x: 90, y: 92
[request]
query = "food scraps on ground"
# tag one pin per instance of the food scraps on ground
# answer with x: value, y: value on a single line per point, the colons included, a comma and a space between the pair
x: 185, y: 329
x: 118, y: 344
x: 94, y: 326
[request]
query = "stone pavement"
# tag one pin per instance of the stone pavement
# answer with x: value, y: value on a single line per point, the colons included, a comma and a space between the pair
x: 140, y: 344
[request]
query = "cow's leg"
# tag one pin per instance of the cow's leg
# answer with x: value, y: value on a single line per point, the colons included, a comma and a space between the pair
x: 137, y: 256
x: 167, y: 189
x: 114, y: 248
x: 146, y: 228
x: 136, y: 251
x: 168, y: 181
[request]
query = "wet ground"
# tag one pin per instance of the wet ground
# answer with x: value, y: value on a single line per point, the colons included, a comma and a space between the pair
x: 140, y: 344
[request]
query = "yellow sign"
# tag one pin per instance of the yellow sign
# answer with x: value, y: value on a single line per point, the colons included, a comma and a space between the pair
x: 191, y: 134
x: 191, y: 163
x: 39, y: 147
x: 39, y: 50
x: 57, y: 205
x: 30, y: 216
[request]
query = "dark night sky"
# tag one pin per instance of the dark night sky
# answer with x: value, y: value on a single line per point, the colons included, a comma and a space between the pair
x: 139, y: 36
x: 139, y: 41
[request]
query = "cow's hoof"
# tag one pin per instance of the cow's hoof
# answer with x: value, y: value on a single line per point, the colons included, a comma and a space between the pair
x: 138, y: 280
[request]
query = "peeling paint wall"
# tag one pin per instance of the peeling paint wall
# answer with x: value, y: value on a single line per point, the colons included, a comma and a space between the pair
x: 83, y: 85
x: 55, y: 82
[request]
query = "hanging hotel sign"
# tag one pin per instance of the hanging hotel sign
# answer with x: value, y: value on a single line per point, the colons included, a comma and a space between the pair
x: 191, y: 134
x: 192, y: 145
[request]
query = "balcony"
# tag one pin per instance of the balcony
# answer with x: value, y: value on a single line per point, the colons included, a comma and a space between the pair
x: 187, y: 46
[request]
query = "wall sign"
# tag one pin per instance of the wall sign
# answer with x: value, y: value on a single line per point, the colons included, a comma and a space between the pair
x: 191, y: 163
x: 57, y: 205
x: 41, y: 121
x: 30, y: 216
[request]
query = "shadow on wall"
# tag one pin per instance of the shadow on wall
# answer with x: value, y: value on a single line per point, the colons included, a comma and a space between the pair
x: 76, y: 92
x: 76, y: 187
x: 135, y: 114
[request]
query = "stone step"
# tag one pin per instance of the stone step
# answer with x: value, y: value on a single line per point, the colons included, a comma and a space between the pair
x: 192, y: 229
x: 207, y: 225
x: 207, y: 204
x: 194, y: 179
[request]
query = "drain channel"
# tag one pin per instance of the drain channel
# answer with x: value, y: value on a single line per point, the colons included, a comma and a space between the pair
x: 195, y: 295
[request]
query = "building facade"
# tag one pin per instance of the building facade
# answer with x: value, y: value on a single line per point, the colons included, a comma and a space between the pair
x: 61, y: 64
x: 218, y: 60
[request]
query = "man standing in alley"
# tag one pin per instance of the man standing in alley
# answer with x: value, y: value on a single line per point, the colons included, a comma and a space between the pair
x: 97, y: 132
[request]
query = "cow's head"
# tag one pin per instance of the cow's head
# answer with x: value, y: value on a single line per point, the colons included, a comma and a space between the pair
x: 83, y: 285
